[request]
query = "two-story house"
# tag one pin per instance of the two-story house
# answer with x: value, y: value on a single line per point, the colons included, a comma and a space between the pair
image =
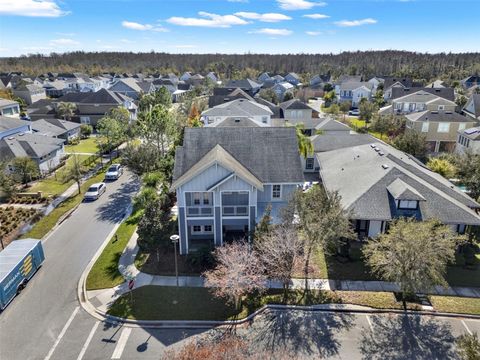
x: 282, y: 88
x: 421, y: 100
x: 293, y: 79
x: 240, y: 108
x: 9, y: 108
x: 354, y: 92
x: 470, y: 81
x: 440, y: 128
x: 225, y: 178
x: 249, y: 86
x: 30, y: 93
x: 378, y: 183
x: 132, y: 88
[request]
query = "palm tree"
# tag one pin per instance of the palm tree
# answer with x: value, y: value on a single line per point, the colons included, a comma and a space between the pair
x: 66, y: 110
x: 305, y: 146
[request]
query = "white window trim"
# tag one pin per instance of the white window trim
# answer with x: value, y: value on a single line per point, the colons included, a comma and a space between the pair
x: 443, y: 130
x: 202, y: 230
x: 280, y: 195
x: 425, y: 127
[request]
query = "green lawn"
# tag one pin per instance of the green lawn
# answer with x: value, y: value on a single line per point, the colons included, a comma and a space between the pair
x: 359, y: 124
x: 458, y: 275
x: 455, y: 304
x: 45, y: 224
x: 104, y: 273
x: 195, y: 303
x: 54, y: 185
x: 85, y: 146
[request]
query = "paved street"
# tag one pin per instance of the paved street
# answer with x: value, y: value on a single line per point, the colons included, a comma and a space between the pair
x: 29, y: 326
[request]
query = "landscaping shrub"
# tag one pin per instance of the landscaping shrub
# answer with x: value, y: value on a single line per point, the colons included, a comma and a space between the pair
x: 202, y: 258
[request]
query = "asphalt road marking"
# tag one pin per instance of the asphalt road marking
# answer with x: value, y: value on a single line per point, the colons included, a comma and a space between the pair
x: 369, y: 323
x: 122, y: 341
x: 466, y: 327
x: 87, y: 342
x: 62, y: 333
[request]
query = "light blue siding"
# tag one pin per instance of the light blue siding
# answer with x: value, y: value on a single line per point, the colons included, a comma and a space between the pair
x: 182, y: 230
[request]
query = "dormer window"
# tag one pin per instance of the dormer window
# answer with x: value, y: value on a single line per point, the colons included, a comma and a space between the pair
x: 407, y: 204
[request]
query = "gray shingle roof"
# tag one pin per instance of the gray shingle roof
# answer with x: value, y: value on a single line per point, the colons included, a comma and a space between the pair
x: 53, y: 127
x: 438, y: 116
x: 243, y: 84
x: 328, y: 142
x: 7, y: 102
x: 239, y: 107
x: 270, y: 154
x: 362, y: 177
x: 8, y: 123
x: 31, y: 145
x: 294, y: 104
x: 446, y: 93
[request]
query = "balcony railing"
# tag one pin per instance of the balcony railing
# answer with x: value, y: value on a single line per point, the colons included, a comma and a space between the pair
x: 199, y: 211
x: 231, y: 210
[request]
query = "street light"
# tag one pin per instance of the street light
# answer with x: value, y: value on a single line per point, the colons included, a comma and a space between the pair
x: 175, y: 239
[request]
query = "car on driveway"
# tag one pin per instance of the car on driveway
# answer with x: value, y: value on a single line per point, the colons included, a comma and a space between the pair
x: 95, y: 191
x: 114, y: 172
x: 354, y: 112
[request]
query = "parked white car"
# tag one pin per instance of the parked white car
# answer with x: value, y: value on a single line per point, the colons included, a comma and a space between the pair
x: 95, y: 191
x: 114, y: 172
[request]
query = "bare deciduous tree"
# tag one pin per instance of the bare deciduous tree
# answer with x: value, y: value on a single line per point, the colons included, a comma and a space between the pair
x: 239, y: 272
x: 279, y: 250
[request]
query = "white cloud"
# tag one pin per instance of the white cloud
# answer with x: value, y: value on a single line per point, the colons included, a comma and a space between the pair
x: 208, y: 20
x: 268, y: 17
x: 273, y: 32
x: 2, y: 49
x: 35, y: 8
x: 350, y: 23
x: 316, y: 16
x: 36, y: 48
x: 64, y: 42
x: 142, y: 27
x: 313, y: 33
x: 298, y: 4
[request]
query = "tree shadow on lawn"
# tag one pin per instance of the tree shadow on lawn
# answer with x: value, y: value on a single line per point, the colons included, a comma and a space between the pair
x: 399, y: 337
x: 301, y: 332
x: 115, y: 208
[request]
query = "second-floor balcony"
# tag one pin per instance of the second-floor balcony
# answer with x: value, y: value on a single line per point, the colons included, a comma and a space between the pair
x: 235, y: 210
x: 199, y: 211
x: 235, y: 203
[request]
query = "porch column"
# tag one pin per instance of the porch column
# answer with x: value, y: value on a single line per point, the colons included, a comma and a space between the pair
x: 218, y: 226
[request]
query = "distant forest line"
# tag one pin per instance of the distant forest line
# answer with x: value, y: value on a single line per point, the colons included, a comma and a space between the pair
x: 368, y: 63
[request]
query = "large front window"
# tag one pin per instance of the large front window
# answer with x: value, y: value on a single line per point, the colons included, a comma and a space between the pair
x: 199, y: 204
x: 443, y: 127
x: 235, y: 203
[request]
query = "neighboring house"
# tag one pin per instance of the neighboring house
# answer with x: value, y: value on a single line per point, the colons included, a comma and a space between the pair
x: 471, y: 81
x: 82, y: 83
x: 196, y: 80
x: 132, y: 88
x: 223, y: 95
x: 472, y: 107
x: 91, y: 107
x: 42, y: 109
x: 440, y: 128
x: 419, y: 101
x: 30, y: 93
x: 249, y: 86
x: 166, y: 83
x: 354, y: 92
x: 293, y: 79
x: 186, y: 75
x: 375, y: 81
x: 392, y: 82
x: 264, y: 77
x: 378, y: 184
x: 446, y: 93
x: 295, y: 111
x: 16, y: 140
x: 56, y: 88
x: 319, y: 80
x: 9, y: 108
x: 468, y: 140
x: 56, y: 128
x: 225, y: 178
x: 212, y: 77
x: 240, y: 108
x: 282, y: 88
x: 437, y: 84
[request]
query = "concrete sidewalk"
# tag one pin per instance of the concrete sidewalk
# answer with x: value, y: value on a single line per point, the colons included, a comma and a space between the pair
x: 104, y: 298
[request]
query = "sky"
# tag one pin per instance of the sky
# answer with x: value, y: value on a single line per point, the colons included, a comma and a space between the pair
x: 238, y: 26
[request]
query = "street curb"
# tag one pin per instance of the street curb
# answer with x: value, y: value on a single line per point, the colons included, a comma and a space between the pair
x: 82, y: 283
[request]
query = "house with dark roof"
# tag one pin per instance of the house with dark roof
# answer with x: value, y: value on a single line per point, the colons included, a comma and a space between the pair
x: 319, y: 80
x: 30, y: 93
x: 225, y: 178
x: 470, y: 81
x: 468, y: 140
x: 249, y: 86
x: 446, y: 93
x: 282, y: 88
x: 440, y: 128
x: 132, y: 87
x: 240, y: 108
x: 391, y: 83
x: 378, y: 184
x: 418, y: 101
x: 293, y: 79
x: 223, y: 95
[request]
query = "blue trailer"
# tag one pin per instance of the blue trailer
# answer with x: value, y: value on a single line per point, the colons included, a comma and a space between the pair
x: 18, y: 263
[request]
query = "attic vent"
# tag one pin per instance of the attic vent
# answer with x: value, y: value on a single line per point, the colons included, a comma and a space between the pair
x: 448, y: 112
x: 385, y: 166
x: 381, y: 153
x: 434, y: 112
x: 377, y: 149
x: 11, y: 138
x: 21, y: 134
x: 372, y: 146
x: 237, y: 120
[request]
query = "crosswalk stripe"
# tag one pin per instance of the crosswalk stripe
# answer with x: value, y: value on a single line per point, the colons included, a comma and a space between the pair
x: 122, y: 341
x: 87, y: 342
x: 62, y: 333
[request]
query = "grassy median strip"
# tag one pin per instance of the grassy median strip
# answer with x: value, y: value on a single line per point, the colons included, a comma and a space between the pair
x: 455, y: 304
x: 194, y: 303
x: 45, y: 224
x: 104, y: 273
